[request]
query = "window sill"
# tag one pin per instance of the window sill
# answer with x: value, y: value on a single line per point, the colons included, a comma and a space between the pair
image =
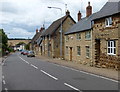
x: 87, y: 39
x: 111, y: 54
x: 107, y: 26
x: 78, y: 39
x: 87, y: 57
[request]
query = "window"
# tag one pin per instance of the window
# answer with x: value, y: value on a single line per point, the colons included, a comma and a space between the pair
x: 108, y: 21
x: 78, y: 36
x: 87, y: 51
x: 49, y: 37
x: 78, y: 50
x: 111, y: 47
x: 66, y: 50
x: 67, y: 38
x: 88, y: 35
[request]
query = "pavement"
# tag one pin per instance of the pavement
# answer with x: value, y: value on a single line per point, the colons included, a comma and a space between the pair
x: 109, y: 73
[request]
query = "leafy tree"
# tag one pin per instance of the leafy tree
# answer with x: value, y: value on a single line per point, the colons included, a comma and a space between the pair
x: 27, y: 46
x: 3, y: 42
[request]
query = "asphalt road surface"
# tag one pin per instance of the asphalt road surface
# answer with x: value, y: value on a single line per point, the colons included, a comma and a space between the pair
x: 22, y: 73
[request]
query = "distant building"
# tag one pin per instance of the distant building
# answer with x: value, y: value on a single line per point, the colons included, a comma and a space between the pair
x: 36, y: 40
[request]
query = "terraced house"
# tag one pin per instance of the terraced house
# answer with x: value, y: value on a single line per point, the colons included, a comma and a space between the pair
x: 36, y: 40
x: 107, y: 35
x: 50, y: 45
x: 95, y: 39
x: 78, y: 42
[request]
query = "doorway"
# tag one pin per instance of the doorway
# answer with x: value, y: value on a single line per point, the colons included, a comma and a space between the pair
x: 97, y: 50
x: 70, y: 53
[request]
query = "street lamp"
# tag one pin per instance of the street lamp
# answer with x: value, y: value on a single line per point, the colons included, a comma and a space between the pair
x: 60, y: 30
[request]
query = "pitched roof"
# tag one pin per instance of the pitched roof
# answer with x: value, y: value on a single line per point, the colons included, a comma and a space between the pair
x: 55, y: 25
x: 36, y: 36
x: 83, y: 25
x: 110, y: 8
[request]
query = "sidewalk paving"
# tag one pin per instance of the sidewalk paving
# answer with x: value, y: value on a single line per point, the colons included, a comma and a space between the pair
x: 109, y: 73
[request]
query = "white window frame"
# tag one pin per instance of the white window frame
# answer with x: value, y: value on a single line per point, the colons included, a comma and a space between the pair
x: 88, y: 51
x: 78, y: 36
x: 88, y: 35
x: 108, y: 22
x: 78, y: 51
x: 111, y: 49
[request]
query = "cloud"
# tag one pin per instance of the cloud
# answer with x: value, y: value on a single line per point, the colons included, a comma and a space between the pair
x: 20, y: 33
x: 34, y: 13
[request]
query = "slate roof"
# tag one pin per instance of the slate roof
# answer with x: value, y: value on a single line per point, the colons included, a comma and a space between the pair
x: 55, y: 25
x: 82, y: 25
x: 110, y: 8
x: 36, y: 36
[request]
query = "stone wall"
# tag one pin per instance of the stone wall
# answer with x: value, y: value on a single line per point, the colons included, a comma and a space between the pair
x: 73, y: 42
x: 104, y: 34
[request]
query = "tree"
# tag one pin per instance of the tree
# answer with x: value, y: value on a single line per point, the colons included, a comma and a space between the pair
x: 3, y: 42
x: 27, y: 46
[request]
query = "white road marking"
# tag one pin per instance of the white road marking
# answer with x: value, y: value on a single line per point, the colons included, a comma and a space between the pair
x: 34, y: 66
x: 99, y: 76
x: 4, y: 82
x: 3, y: 77
x: 3, y: 62
x: 72, y: 87
x: 24, y: 60
x: 49, y: 75
x: 6, y: 89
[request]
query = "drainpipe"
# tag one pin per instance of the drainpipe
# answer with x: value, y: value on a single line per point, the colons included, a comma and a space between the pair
x: 91, y: 43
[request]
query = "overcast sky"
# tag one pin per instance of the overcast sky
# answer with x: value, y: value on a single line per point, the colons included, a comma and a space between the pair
x: 20, y: 18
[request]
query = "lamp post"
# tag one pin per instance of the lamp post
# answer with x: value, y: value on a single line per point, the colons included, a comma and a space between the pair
x: 60, y: 30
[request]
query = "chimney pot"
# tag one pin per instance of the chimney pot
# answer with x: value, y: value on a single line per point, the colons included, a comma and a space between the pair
x: 88, y: 10
x: 79, y: 16
x: 67, y: 12
x: 36, y: 31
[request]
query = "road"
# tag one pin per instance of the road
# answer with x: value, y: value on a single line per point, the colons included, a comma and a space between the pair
x: 22, y: 73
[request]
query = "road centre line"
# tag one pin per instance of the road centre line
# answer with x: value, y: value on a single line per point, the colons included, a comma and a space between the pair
x: 99, y: 76
x: 24, y: 60
x: 6, y: 90
x: 4, y: 82
x: 34, y: 66
x: 49, y: 75
x: 72, y: 87
x: 3, y: 77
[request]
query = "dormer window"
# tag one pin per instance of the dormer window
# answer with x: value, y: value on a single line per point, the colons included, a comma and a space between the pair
x: 108, y: 21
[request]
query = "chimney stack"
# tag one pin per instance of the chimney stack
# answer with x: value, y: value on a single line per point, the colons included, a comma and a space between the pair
x: 36, y: 31
x: 88, y: 10
x: 67, y: 12
x: 41, y: 29
x: 79, y: 16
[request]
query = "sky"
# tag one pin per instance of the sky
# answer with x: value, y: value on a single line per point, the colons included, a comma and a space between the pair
x: 21, y: 18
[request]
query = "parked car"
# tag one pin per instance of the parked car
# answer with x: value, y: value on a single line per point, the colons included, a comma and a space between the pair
x: 31, y: 54
x: 25, y: 52
x: 22, y: 52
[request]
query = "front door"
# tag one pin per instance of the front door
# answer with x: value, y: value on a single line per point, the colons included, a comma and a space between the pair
x: 70, y: 53
x: 41, y: 49
x: 97, y: 51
